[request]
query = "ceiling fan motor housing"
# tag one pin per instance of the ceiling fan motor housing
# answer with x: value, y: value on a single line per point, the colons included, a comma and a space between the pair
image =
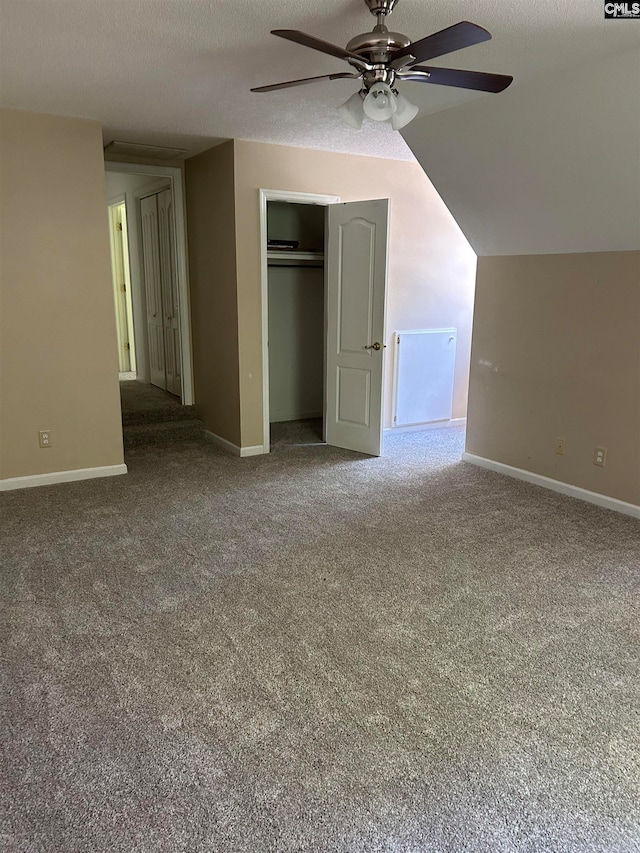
x: 378, y: 74
x: 381, y: 7
x: 378, y: 47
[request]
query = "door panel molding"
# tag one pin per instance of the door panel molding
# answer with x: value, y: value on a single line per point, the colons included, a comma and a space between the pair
x: 353, y: 384
x: 353, y: 322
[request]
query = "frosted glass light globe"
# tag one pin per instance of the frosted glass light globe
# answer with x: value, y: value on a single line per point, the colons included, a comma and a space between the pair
x: 405, y: 113
x: 380, y: 103
x: 352, y: 112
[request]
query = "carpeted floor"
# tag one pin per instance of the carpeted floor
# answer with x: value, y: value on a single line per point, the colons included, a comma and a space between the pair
x: 138, y: 397
x: 296, y: 433
x: 151, y: 416
x: 316, y: 651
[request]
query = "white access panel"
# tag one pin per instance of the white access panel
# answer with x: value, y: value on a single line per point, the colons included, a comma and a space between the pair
x: 424, y: 366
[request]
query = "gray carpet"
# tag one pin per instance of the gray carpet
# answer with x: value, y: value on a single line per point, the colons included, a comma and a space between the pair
x: 316, y: 651
x: 153, y: 416
x: 295, y: 433
x: 141, y: 401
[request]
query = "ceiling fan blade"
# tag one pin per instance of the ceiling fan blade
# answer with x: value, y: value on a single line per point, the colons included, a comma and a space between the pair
x: 453, y: 38
x: 303, y: 81
x: 318, y: 44
x: 480, y: 80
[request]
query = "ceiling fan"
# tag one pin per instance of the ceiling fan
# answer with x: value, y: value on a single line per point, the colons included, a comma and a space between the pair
x: 382, y: 58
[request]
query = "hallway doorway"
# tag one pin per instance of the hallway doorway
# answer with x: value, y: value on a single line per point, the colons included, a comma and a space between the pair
x: 150, y: 285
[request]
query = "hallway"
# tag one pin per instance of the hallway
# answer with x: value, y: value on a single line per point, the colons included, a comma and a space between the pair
x: 153, y: 416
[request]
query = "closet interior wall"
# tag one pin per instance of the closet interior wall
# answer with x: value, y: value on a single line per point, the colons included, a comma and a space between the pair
x: 296, y: 312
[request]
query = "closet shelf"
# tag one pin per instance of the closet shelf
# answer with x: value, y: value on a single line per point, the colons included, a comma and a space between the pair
x: 294, y: 258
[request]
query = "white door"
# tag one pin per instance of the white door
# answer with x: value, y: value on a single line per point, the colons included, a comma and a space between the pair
x: 121, y: 288
x: 357, y: 251
x: 168, y: 276
x: 153, y: 289
x: 161, y: 288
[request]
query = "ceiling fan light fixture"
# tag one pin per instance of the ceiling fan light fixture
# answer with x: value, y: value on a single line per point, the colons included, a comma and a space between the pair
x: 380, y: 103
x: 352, y: 111
x: 381, y: 57
x: 405, y: 112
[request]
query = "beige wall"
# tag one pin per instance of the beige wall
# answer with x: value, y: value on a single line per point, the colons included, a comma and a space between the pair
x: 209, y: 180
x: 556, y: 353
x: 431, y: 271
x: 58, y: 343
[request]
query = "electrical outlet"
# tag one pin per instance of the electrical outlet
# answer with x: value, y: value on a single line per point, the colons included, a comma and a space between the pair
x: 560, y: 446
x: 45, y: 437
x: 600, y: 456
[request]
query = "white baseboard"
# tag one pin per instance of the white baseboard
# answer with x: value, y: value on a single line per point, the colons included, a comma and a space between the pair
x: 230, y: 447
x: 454, y: 422
x: 223, y: 443
x: 555, y: 485
x: 254, y: 450
x: 61, y: 477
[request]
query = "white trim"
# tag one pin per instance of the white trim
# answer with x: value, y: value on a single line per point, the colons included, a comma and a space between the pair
x: 176, y: 178
x: 253, y: 450
x: 230, y: 447
x: 222, y: 442
x: 454, y: 422
x: 555, y: 485
x: 264, y: 197
x: 61, y: 477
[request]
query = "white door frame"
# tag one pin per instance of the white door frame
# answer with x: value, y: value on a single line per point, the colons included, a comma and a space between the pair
x: 174, y: 174
x: 295, y: 198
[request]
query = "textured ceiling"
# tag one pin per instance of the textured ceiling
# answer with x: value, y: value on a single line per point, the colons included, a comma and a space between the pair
x: 178, y: 72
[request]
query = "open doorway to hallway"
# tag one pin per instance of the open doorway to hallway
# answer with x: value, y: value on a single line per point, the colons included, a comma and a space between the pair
x: 148, y: 256
x: 148, y: 251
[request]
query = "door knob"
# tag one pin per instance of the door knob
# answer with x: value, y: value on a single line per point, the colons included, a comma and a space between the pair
x: 375, y: 346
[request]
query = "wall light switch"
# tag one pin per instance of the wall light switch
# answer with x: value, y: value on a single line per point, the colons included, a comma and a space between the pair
x: 600, y: 456
x: 45, y: 437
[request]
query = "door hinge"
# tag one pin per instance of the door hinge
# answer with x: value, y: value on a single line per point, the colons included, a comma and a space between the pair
x: 123, y: 287
x: 118, y: 226
x: 395, y: 419
x: 126, y: 346
x: 398, y: 341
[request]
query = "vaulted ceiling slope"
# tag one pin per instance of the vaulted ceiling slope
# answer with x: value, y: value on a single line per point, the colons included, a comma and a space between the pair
x: 551, y: 165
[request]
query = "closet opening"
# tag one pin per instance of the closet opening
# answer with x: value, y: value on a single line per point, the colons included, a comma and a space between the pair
x: 294, y: 309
